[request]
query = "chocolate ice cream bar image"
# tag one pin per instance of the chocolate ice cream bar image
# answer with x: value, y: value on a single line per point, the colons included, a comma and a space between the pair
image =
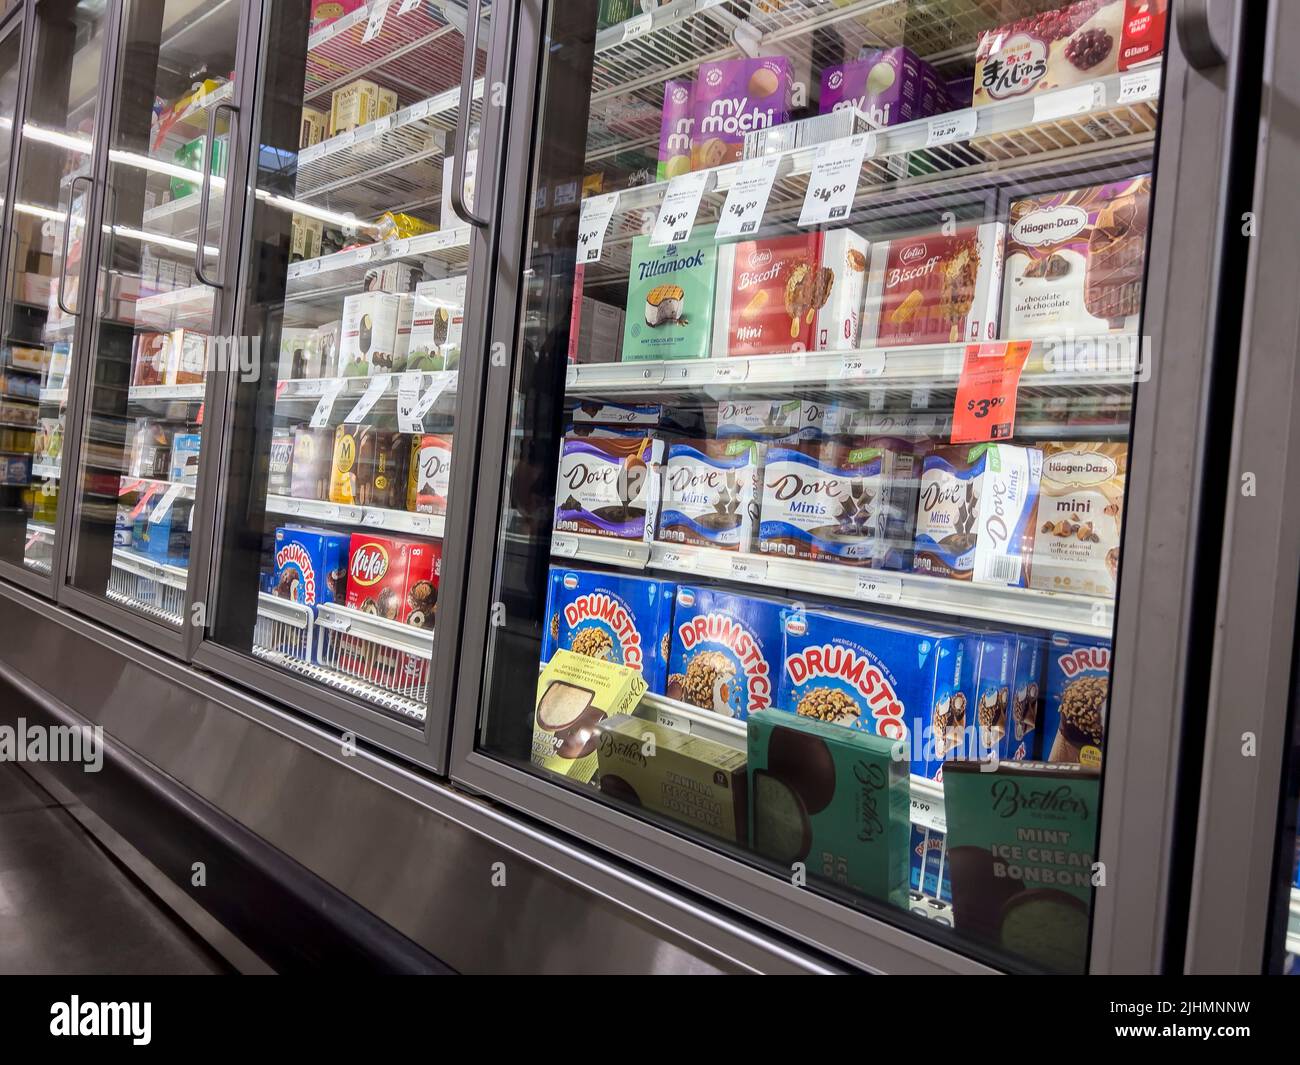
x: 565, y: 711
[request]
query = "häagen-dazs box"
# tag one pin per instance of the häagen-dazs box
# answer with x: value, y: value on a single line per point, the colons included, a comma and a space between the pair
x: 710, y: 495
x: 734, y: 97
x: 612, y: 617
x: 769, y: 293
x: 675, y: 130
x: 726, y: 651
x: 1078, y: 693
x: 670, y: 299
x: 574, y: 695
x: 609, y: 487
x: 976, y: 513
x: 1080, y: 515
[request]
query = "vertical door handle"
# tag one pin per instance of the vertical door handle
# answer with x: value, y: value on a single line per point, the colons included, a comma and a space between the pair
x: 205, y: 190
x: 1205, y: 31
x: 472, y: 18
x: 67, y: 233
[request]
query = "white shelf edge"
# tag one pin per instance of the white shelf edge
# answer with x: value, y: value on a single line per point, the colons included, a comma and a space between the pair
x: 430, y: 525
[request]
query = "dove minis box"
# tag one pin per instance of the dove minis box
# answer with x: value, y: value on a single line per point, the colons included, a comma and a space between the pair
x: 670, y: 295
x: 726, y: 651
x: 888, y: 86
x: 710, y: 494
x: 609, y: 487
x: 612, y: 617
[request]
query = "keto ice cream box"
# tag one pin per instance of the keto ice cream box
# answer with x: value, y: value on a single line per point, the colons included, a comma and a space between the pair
x: 1075, y: 261
x: 935, y: 288
x: 609, y: 487
x: 888, y: 86
x: 1021, y: 845
x: 710, y: 494
x: 675, y: 131
x: 696, y: 781
x: 769, y: 294
x: 1078, y: 694
x: 575, y: 694
x: 929, y: 875
x: 612, y: 617
x: 1025, y: 737
x: 670, y: 299
x: 734, y: 97
x: 831, y: 798
x: 726, y: 651
x: 975, y: 519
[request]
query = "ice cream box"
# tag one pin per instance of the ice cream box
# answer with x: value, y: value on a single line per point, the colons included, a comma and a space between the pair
x: 833, y: 799
x: 311, y: 565
x: 323, y: 11
x: 314, y: 125
x: 189, y: 358
x: 612, y: 617
x: 994, y: 677
x: 770, y: 419
x: 394, y: 578
x: 710, y: 494
x: 1021, y: 845
x: 1026, y: 732
x: 899, y: 494
x: 929, y: 874
x: 598, y: 412
x: 368, y: 467
x: 843, y: 280
x: 575, y: 694
x: 975, y: 519
x: 1075, y: 261
x: 429, y: 473
x: 296, y: 353
x: 609, y: 487
x: 376, y: 332
x: 313, y: 452
x: 150, y: 359
x: 670, y: 299
x: 935, y: 288
x: 726, y: 651
x: 437, y: 321
x: 691, y: 779
x: 887, y: 86
x: 279, y: 466
x: 734, y: 97
x: 185, y: 458
x: 675, y: 132
x: 1080, y: 515
x: 168, y: 539
x: 1078, y: 694
x: 1144, y: 32
x: 769, y: 292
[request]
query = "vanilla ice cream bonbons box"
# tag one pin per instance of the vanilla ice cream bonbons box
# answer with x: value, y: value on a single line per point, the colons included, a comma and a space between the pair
x: 609, y: 487
x: 615, y: 618
x: 734, y: 97
x: 726, y: 651
x: 670, y: 299
x: 975, y: 519
x: 675, y: 130
x: 710, y: 494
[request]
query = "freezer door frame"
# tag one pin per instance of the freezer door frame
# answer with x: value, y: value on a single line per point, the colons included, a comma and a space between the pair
x: 1157, y: 617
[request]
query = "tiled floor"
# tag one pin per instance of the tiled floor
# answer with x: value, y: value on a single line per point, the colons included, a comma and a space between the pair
x: 67, y: 907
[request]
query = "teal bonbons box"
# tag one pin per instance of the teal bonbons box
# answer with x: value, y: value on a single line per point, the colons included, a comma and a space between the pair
x: 670, y: 299
x: 833, y: 798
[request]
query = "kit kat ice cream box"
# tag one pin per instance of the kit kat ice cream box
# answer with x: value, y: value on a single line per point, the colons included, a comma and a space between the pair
x: 734, y: 97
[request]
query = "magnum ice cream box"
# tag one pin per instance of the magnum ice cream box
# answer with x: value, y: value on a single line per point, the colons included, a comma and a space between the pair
x: 1021, y: 846
x: 575, y: 694
x: 670, y: 299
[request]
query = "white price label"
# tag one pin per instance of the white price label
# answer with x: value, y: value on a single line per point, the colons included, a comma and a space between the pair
x: 833, y: 183
x: 409, y: 5
x: 876, y: 401
x: 748, y: 569
x: 383, y: 125
x: 953, y: 126
x: 676, y: 560
x: 882, y: 587
x: 672, y: 721
x: 376, y: 23
x: 593, y: 222
x: 1065, y: 103
x: 925, y: 813
x: 859, y: 365
x: 373, y: 516
x: 733, y: 370
x: 442, y: 380
x: 315, y: 386
x: 320, y: 418
x: 163, y: 507
x: 570, y: 375
x: 1139, y: 85
x: 377, y: 387
x: 308, y: 267
x: 920, y: 399
x: 742, y: 213
x: 566, y: 194
x: 408, y: 398
x: 344, y: 140
x: 422, y: 523
x: 400, y: 248
x: 564, y: 546
x: 635, y: 27
x: 677, y: 212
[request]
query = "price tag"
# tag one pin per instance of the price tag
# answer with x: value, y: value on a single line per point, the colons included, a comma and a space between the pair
x: 593, y: 221
x: 422, y: 523
x: 384, y: 124
x: 442, y: 380
x: 953, y: 126
x: 373, y: 516
x: 742, y: 213
x: 677, y: 212
x: 880, y: 586
x: 308, y: 267
x: 321, y: 417
x: 564, y: 546
x: 859, y: 365
x: 409, y: 5
x: 676, y: 560
x: 837, y: 165
x: 566, y: 194
x: 876, y: 401
x: 377, y: 387
x: 920, y: 399
x: 165, y: 504
x: 408, y: 398
x: 400, y: 248
x: 635, y: 27
x: 733, y: 370
x: 1138, y: 85
x: 748, y: 569
x: 376, y: 22
x: 314, y: 386
x: 570, y: 376
x: 672, y: 721
x: 1064, y: 103
x: 344, y: 140
x: 985, y: 408
x: 927, y: 814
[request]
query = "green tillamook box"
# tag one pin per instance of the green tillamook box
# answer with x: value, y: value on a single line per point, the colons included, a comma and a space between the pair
x: 1021, y: 842
x: 834, y: 798
x: 670, y: 299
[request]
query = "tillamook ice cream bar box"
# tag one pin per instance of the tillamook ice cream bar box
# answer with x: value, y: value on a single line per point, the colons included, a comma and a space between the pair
x: 935, y: 288
x: 1021, y: 846
x: 575, y: 694
x: 1078, y: 693
x: 611, y: 617
x: 609, y: 487
x: 734, y: 97
x: 694, y: 780
x: 976, y: 513
x: 710, y: 494
x: 670, y: 299
x: 726, y: 651
x: 1080, y: 514
x: 1075, y: 261
x: 831, y: 798
x: 675, y: 131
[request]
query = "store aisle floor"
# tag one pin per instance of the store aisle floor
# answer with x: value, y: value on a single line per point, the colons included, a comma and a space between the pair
x: 67, y: 907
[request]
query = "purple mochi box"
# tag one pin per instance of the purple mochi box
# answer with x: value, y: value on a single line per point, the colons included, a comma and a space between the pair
x: 888, y: 86
x: 675, y: 130
x: 734, y: 97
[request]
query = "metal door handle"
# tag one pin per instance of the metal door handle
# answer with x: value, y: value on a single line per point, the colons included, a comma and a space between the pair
x: 67, y: 233
x: 205, y: 190
x: 1205, y: 31
x: 472, y: 18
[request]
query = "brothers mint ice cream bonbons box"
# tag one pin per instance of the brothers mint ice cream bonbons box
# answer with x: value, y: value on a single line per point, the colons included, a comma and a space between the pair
x: 670, y: 299
x: 675, y: 132
x: 1078, y: 692
x: 734, y: 97
x: 726, y: 651
x: 611, y: 617
x: 710, y: 494
x: 609, y: 487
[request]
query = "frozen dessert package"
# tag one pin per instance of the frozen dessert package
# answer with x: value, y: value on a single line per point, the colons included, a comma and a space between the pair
x: 844, y: 275
x: 675, y: 133
x: 935, y: 288
x: 670, y: 299
x: 609, y: 487
x: 1080, y: 515
x: 710, y: 495
x: 888, y: 86
x: 1078, y: 695
x: 734, y: 97
x: 1075, y: 261
x: 770, y: 292
x: 770, y: 419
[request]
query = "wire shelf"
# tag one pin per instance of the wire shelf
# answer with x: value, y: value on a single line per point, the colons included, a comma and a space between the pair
x: 386, y: 659
x: 147, y: 587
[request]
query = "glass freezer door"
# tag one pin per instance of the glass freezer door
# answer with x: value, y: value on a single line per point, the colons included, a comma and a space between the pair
x: 817, y: 448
